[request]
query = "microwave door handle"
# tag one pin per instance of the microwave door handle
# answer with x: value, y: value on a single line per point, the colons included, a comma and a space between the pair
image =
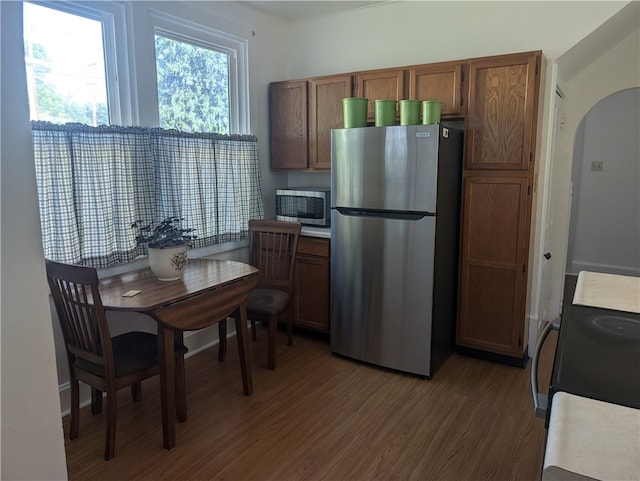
x: 540, y: 400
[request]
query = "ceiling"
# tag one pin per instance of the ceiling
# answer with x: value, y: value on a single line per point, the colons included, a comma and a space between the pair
x: 298, y: 10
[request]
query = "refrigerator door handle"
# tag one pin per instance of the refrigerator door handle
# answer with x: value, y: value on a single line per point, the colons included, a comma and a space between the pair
x: 540, y: 400
x: 385, y: 214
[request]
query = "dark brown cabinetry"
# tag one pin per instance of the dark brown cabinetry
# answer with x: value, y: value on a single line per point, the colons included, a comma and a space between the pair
x: 500, y: 118
x: 440, y: 82
x: 289, y: 128
x: 497, y: 201
x: 325, y: 113
x: 311, y: 284
x: 387, y: 84
x: 302, y: 114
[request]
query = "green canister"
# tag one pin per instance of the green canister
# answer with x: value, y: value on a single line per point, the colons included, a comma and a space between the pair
x: 354, y: 111
x: 385, y: 113
x: 431, y: 112
x: 409, y: 112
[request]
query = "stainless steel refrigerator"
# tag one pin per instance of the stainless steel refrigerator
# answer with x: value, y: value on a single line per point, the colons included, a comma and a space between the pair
x: 395, y: 207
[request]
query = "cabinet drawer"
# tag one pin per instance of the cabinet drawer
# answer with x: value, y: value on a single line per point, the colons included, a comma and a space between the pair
x: 313, y: 246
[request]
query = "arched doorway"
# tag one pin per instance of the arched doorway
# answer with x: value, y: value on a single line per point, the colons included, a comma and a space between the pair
x: 604, y: 233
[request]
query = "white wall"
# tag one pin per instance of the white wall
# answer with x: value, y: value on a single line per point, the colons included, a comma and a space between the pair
x: 32, y: 442
x: 605, y: 218
x: 614, y: 70
x: 405, y: 33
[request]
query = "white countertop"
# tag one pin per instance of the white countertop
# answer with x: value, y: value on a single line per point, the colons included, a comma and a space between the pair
x: 311, y: 231
x: 589, y: 440
x: 609, y: 291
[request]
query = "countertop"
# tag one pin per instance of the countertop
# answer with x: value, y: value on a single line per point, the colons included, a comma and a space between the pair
x: 590, y: 440
x: 609, y: 291
x: 311, y: 231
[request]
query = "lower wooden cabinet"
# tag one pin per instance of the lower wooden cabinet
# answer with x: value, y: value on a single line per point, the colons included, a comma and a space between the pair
x: 493, y: 271
x: 311, y: 284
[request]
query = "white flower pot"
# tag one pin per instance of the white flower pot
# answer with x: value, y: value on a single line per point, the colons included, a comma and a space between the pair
x: 168, y: 263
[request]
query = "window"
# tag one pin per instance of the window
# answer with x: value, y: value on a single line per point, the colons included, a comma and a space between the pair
x: 66, y: 65
x: 94, y: 182
x: 193, y: 87
x: 200, y: 77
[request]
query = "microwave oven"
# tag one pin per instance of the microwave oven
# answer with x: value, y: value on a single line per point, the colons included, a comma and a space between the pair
x: 307, y: 205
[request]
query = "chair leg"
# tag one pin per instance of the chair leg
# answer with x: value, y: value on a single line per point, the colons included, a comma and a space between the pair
x: 96, y: 401
x: 110, y: 442
x: 271, y: 350
x: 75, y: 409
x: 136, y: 391
x: 253, y: 330
x: 181, y: 394
x: 222, y: 339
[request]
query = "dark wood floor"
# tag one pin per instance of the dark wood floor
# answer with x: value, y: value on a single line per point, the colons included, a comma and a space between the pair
x: 319, y: 416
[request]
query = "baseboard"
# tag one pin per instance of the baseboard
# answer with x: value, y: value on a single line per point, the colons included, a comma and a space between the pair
x: 577, y: 267
x: 196, y: 341
x: 499, y: 358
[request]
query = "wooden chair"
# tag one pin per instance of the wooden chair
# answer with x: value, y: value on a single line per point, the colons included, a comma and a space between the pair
x: 124, y: 360
x: 272, y: 249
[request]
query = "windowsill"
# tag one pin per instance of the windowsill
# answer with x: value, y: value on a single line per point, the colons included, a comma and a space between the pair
x: 143, y: 262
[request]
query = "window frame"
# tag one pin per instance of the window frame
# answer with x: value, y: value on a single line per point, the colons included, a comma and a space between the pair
x: 236, y: 48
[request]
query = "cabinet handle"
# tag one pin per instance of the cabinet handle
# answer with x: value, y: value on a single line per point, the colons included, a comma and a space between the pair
x: 547, y: 255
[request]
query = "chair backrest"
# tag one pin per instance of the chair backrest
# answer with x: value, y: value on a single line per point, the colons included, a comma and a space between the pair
x: 272, y: 249
x: 81, y: 314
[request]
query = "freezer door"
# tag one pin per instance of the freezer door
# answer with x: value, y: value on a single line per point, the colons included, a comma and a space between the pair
x: 382, y: 290
x: 387, y: 168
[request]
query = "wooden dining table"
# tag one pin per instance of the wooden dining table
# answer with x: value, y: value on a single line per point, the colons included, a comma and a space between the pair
x: 209, y: 291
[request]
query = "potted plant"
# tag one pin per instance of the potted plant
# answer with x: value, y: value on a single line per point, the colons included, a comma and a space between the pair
x: 167, y: 243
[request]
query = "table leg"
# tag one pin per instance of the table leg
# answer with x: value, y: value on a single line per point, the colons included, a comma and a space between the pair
x: 242, y: 334
x: 167, y: 385
x: 181, y: 389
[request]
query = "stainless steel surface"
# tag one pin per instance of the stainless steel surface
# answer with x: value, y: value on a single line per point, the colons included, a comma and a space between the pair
x: 306, y: 205
x: 383, y: 269
x: 392, y: 299
x: 397, y: 170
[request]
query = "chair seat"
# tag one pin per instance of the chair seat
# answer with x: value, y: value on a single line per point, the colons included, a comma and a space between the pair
x: 267, y: 301
x: 133, y: 351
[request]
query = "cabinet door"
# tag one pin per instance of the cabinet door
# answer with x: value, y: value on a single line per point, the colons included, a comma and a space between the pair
x: 288, y: 125
x: 385, y: 84
x: 311, y: 284
x: 325, y: 113
x: 501, y: 116
x: 441, y: 82
x: 493, y: 273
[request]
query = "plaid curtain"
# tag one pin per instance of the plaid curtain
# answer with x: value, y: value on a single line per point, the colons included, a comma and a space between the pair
x: 93, y: 182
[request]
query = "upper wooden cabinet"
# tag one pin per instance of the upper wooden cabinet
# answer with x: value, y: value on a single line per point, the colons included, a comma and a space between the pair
x: 325, y: 113
x: 289, y: 125
x: 303, y: 112
x: 500, y: 116
x: 440, y: 82
x: 387, y: 84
